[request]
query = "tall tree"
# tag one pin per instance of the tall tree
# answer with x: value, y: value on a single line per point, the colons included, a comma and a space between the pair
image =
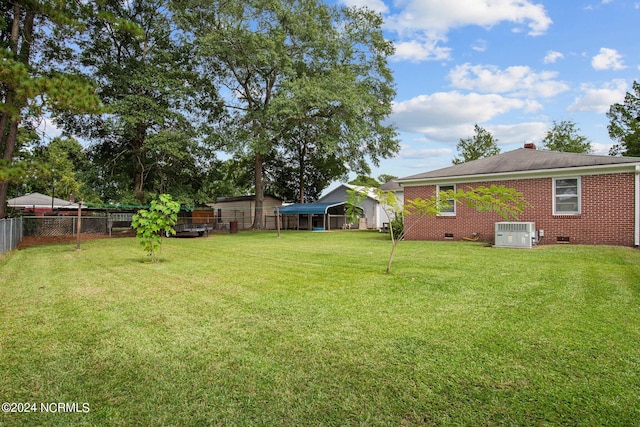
x: 624, y: 125
x: 289, y: 65
x: 34, y: 72
x: 564, y: 137
x: 481, y: 145
x: 158, y: 102
x: 58, y: 168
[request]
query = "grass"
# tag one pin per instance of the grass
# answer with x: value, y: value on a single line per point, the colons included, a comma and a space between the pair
x: 248, y: 329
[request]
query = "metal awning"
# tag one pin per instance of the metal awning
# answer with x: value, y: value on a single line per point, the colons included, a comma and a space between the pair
x: 308, y: 208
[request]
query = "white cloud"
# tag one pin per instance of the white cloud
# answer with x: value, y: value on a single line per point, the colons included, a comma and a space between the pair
x: 479, y: 45
x: 516, y: 80
x: 519, y: 134
x: 601, y: 149
x: 599, y: 99
x: 409, y: 152
x: 47, y: 129
x: 416, y: 51
x: 442, y: 15
x: 552, y: 57
x: 422, y: 25
x: 607, y: 59
x: 430, y: 113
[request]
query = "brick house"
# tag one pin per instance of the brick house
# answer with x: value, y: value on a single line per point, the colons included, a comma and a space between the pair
x: 574, y: 198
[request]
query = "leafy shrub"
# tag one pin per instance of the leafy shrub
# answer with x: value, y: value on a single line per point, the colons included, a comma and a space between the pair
x: 151, y: 224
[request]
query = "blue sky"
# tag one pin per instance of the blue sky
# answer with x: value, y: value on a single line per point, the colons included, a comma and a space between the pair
x: 511, y: 66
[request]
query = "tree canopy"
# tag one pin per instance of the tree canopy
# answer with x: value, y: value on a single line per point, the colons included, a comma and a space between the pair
x: 563, y: 136
x: 624, y: 125
x: 36, y: 74
x: 158, y: 102
x: 481, y: 145
x: 365, y: 181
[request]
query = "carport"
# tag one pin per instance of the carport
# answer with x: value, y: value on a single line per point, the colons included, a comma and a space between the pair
x: 314, y: 216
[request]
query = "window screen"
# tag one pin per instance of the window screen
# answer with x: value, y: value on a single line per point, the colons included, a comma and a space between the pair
x: 566, y: 195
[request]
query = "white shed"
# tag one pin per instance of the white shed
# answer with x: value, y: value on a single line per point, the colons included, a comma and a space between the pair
x: 373, y: 211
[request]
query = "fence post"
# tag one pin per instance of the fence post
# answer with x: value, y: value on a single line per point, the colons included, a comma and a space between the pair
x: 79, y: 225
x: 4, y: 236
x: 278, y: 220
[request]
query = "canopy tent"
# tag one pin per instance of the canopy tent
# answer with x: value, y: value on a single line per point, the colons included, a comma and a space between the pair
x: 305, y: 213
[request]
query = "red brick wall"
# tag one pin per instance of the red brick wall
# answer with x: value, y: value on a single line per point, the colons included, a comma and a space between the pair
x: 607, y: 217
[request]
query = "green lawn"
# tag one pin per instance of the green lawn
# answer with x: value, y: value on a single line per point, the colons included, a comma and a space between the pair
x: 249, y: 329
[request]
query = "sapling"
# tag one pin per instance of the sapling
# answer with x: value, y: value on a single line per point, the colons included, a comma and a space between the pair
x: 506, y: 202
x: 150, y: 224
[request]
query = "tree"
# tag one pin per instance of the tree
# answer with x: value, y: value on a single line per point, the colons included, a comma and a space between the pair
x: 506, y: 202
x: 481, y: 145
x: 365, y: 181
x: 301, y: 173
x: 151, y: 224
x: 56, y: 168
x: 297, y: 68
x: 564, y: 137
x: 384, y: 178
x: 34, y: 73
x: 159, y: 104
x: 624, y: 125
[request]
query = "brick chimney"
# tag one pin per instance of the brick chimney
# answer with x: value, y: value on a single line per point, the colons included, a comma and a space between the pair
x: 530, y: 145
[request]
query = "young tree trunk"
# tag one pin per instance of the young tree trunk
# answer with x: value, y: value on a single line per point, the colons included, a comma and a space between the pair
x: 394, y: 243
x: 393, y: 249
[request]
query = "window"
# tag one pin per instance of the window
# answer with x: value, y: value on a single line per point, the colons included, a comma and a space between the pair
x: 450, y: 208
x: 566, y: 196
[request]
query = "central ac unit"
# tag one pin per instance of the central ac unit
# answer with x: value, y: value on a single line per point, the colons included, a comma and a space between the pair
x: 515, y: 234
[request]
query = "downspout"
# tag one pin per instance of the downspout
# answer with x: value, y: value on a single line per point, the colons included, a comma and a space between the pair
x: 637, y: 197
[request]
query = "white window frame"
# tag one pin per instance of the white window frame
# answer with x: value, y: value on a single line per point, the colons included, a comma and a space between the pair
x: 453, y: 203
x: 578, y: 210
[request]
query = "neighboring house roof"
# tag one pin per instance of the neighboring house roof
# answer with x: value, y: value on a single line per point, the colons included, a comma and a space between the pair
x: 391, y: 186
x: 318, y: 208
x: 340, y: 192
x: 370, y: 192
x: 524, y: 161
x: 39, y: 201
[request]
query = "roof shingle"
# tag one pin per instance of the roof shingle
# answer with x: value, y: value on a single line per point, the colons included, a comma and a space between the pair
x: 522, y: 160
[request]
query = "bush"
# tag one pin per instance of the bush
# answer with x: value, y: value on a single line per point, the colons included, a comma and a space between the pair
x: 151, y: 224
